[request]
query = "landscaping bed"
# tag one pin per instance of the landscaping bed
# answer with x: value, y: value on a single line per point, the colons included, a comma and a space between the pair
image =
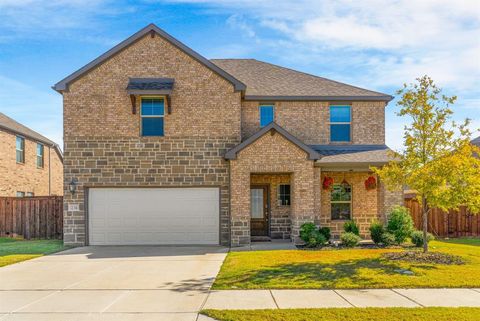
x: 14, y: 250
x: 348, y: 269
x: 349, y: 314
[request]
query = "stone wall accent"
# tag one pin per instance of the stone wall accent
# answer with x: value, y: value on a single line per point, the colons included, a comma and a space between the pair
x: 309, y: 120
x: 123, y: 161
x: 364, y: 203
x: 28, y: 177
x: 271, y: 153
x: 280, y: 223
x: 103, y: 146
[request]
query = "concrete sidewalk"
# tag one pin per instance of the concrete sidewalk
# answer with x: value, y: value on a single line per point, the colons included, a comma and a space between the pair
x: 291, y: 299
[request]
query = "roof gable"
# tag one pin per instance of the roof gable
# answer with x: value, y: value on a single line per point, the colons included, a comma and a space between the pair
x: 62, y: 85
x: 232, y: 153
x: 266, y: 81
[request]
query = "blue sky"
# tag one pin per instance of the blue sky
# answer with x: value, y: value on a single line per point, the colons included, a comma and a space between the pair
x: 373, y: 44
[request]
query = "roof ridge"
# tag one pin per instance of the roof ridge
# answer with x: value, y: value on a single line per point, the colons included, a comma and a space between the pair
x: 62, y: 85
x: 323, y: 78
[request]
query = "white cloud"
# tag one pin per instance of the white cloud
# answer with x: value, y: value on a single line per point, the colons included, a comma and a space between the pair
x: 47, y: 18
x: 396, y: 40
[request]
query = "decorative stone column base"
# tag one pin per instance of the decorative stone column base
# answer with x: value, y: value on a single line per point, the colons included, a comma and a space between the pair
x: 240, y: 231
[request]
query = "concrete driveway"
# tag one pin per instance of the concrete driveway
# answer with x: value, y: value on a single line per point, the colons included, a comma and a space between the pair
x: 111, y: 283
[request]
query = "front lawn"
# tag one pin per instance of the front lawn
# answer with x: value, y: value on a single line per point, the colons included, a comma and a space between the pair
x: 347, y: 269
x: 348, y: 314
x: 17, y: 250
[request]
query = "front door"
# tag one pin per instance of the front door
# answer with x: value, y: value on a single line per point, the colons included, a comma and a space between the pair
x: 259, y: 212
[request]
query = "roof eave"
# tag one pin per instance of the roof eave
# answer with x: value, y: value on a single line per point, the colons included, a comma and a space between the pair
x: 62, y: 85
x: 385, y: 98
x: 349, y: 164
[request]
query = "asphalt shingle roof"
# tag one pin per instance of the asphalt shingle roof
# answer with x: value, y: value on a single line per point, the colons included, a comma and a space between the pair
x: 15, y: 127
x: 476, y: 141
x: 346, y: 154
x: 265, y: 79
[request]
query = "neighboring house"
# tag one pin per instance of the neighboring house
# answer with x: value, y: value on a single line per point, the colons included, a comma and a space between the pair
x: 163, y: 146
x: 30, y: 164
x: 476, y: 141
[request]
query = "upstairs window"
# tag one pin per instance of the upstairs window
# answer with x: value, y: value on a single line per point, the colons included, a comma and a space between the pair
x: 341, y: 202
x: 152, y: 114
x: 40, y: 156
x: 266, y: 114
x: 20, y: 149
x: 284, y: 194
x: 20, y: 194
x: 30, y: 194
x: 340, y: 123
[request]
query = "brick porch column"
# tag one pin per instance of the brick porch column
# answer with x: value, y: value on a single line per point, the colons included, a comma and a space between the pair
x: 239, y: 204
x: 303, y: 204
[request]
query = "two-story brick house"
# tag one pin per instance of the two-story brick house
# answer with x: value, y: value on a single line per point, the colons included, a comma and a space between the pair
x: 163, y: 146
x: 30, y: 163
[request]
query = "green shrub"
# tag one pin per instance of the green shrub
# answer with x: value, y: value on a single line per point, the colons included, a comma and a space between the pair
x: 388, y: 239
x: 351, y: 227
x: 376, y: 232
x: 311, y: 236
x: 417, y: 238
x: 350, y: 239
x: 400, y: 224
x: 325, y: 231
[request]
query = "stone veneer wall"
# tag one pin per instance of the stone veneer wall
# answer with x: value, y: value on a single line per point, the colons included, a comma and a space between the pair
x: 308, y: 120
x: 280, y: 222
x: 117, y: 161
x: 271, y: 153
x: 27, y: 177
x: 103, y: 146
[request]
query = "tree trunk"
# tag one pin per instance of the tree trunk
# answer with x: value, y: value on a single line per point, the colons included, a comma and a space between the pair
x: 425, y: 224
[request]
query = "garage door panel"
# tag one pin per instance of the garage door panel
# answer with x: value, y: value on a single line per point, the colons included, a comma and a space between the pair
x: 153, y: 216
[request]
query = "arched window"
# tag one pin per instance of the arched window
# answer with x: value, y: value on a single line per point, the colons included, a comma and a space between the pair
x: 341, y: 202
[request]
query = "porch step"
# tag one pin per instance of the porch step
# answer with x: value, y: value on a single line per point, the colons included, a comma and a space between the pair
x: 260, y: 239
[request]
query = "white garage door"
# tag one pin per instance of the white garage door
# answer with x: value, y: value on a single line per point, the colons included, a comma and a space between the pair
x: 123, y: 216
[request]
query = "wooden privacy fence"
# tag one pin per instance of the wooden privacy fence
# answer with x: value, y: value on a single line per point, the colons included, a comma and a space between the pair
x: 32, y: 217
x: 446, y: 224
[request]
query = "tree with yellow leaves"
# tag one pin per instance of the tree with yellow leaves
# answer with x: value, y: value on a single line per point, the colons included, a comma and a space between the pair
x: 438, y: 161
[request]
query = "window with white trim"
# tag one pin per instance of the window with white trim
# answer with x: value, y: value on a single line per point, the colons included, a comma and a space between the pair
x: 20, y: 149
x: 40, y: 152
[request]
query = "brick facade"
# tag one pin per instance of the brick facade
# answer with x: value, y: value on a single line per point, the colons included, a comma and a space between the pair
x: 28, y: 177
x: 103, y: 146
x: 271, y: 153
x: 365, y: 203
x: 308, y: 120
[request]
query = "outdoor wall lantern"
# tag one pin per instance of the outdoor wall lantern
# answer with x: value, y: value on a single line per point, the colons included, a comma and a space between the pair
x: 72, y: 187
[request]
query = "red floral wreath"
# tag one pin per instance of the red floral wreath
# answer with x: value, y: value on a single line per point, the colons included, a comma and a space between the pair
x: 327, y: 182
x: 370, y: 183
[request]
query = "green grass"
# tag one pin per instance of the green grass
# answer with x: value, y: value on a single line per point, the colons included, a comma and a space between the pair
x: 348, y: 314
x: 17, y: 250
x: 346, y: 269
x: 466, y: 241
